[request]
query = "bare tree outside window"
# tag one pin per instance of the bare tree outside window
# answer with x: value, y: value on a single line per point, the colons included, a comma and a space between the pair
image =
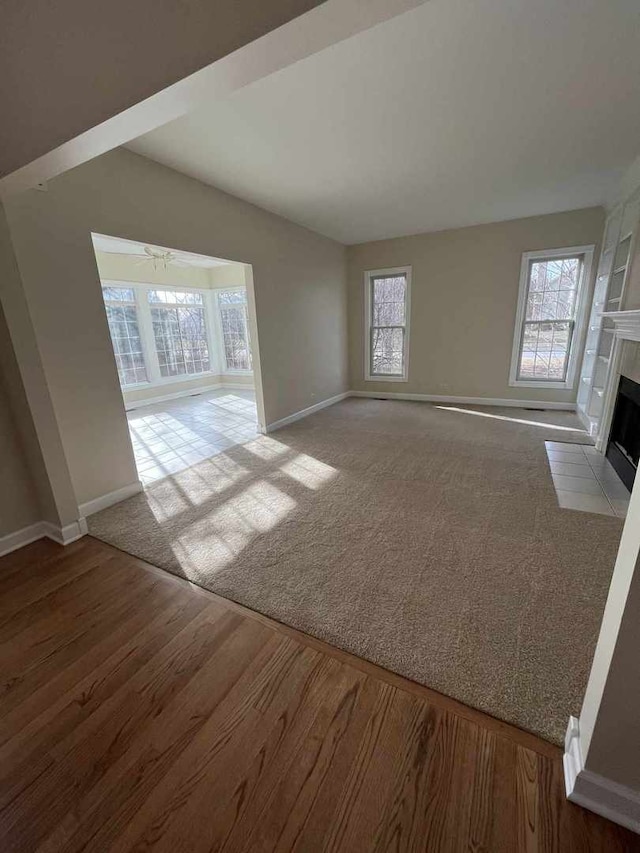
x: 180, y: 332
x: 549, y: 318
x: 388, y: 301
x: 235, y: 334
x: 122, y: 316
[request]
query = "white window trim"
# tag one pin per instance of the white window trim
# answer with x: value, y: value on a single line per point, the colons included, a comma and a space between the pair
x: 145, y: 326
x: 378, y: 377
x: 580, y: 317
x: 230, y: 371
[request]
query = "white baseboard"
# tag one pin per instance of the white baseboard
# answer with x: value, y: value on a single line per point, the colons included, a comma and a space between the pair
x: 304, y: 413
x: 41, y: 529
x: 469, y: 401
x: 163, y: 398
x: 238, y: 386
x: 67, y: 534
x: 104, y: 501
x: 594, y: 792
x: 186, y: 392
x: 25, y: 536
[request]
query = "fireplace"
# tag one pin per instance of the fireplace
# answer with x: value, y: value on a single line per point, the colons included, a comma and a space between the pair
x: 623, y: 449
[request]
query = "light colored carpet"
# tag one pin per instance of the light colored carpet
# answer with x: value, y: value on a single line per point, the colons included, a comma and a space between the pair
x: 426, y: 539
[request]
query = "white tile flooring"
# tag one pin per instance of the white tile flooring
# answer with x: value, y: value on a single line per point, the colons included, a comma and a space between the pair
x: 585, y: 480
x: 169, y: 437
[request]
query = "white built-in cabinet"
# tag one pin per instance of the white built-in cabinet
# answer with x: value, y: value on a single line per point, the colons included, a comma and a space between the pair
x: 620, y: 235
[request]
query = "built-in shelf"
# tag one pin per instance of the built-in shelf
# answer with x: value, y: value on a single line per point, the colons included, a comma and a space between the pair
x: 600, y: 363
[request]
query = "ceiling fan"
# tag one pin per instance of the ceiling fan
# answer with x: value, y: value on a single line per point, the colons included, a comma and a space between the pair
x: 162, y: 258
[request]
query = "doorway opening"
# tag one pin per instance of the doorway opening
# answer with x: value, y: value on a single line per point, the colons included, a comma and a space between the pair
x: 182, y: 328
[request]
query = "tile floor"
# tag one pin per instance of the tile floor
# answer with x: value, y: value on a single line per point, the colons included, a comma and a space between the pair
x: 169, y: 437
x: 585, y: 480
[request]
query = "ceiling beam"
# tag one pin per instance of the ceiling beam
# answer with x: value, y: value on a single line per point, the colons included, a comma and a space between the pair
x: 52, y: 115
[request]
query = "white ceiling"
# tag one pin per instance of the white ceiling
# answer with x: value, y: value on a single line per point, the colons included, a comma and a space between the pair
x: 119, y: 246
x: 459, y: 112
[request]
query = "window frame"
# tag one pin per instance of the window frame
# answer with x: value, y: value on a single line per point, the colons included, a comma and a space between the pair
x: 369, y: 277
x: 232, y: 371
x: 213, y: 328
x: 579, y: 317
x: 135, y: 304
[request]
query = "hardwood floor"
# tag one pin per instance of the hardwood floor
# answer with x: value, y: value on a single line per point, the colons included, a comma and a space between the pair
x: 141, y: 713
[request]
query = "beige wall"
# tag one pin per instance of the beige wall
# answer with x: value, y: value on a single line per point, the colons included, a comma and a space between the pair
x: 30, y: 396
x: 299, y: 284
x: 19, y: 504
x: 632, y: 287
x: 464, y: 295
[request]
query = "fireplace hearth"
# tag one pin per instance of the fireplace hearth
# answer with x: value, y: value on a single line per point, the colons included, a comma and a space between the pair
x: 623, y: 448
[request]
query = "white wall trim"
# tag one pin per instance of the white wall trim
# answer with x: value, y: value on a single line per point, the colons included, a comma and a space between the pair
x: 187, y: 392
x: 594, y: 792
x: 470, y: 401
x: 111, y: 498
x: 25, y: 536
x: 304, y: 413
x: 40, y: 530
x: 67, y: 534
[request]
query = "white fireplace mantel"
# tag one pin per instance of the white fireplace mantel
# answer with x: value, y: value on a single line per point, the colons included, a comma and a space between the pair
x: 626, y: 327
x: 626, y: 324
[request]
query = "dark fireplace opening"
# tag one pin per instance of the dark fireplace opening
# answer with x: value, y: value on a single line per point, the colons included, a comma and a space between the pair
x: 623, y: 450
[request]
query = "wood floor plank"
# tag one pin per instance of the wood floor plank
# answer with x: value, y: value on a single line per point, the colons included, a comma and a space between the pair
x: 48, y: 714
x: 140, y: 713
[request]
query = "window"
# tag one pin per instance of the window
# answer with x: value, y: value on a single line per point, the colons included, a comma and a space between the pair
x: 387, y: 323
x: 180, y: 332
x: 232, y: 305
x: 161, y: 335
x: 122, y: 316
x: 550, y: 317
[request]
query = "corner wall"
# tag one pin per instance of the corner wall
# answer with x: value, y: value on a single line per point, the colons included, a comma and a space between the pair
x: 464, y: 294
x: 299, y: 284
x: 19, y: 506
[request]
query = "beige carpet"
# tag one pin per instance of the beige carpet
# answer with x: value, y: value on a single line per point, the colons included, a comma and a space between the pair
x: 426, y: 539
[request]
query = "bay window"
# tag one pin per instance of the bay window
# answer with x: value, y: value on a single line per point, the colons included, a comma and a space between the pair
x: 232, y: 305
x: 163, y: 334
x: 180, y: 332
x: 122, y: 317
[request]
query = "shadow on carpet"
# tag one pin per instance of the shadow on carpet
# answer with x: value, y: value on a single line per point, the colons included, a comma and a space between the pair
x: 426, y: 539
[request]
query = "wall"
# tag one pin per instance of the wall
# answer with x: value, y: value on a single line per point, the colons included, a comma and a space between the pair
x: 19, y: 505
x: 298, y: 281
x: 30, y: 396
x: 464, y: 296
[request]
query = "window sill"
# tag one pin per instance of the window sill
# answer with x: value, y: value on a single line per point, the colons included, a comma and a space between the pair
x: 524, y: 383
x: 184, y: 379
x: 386, y: 378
